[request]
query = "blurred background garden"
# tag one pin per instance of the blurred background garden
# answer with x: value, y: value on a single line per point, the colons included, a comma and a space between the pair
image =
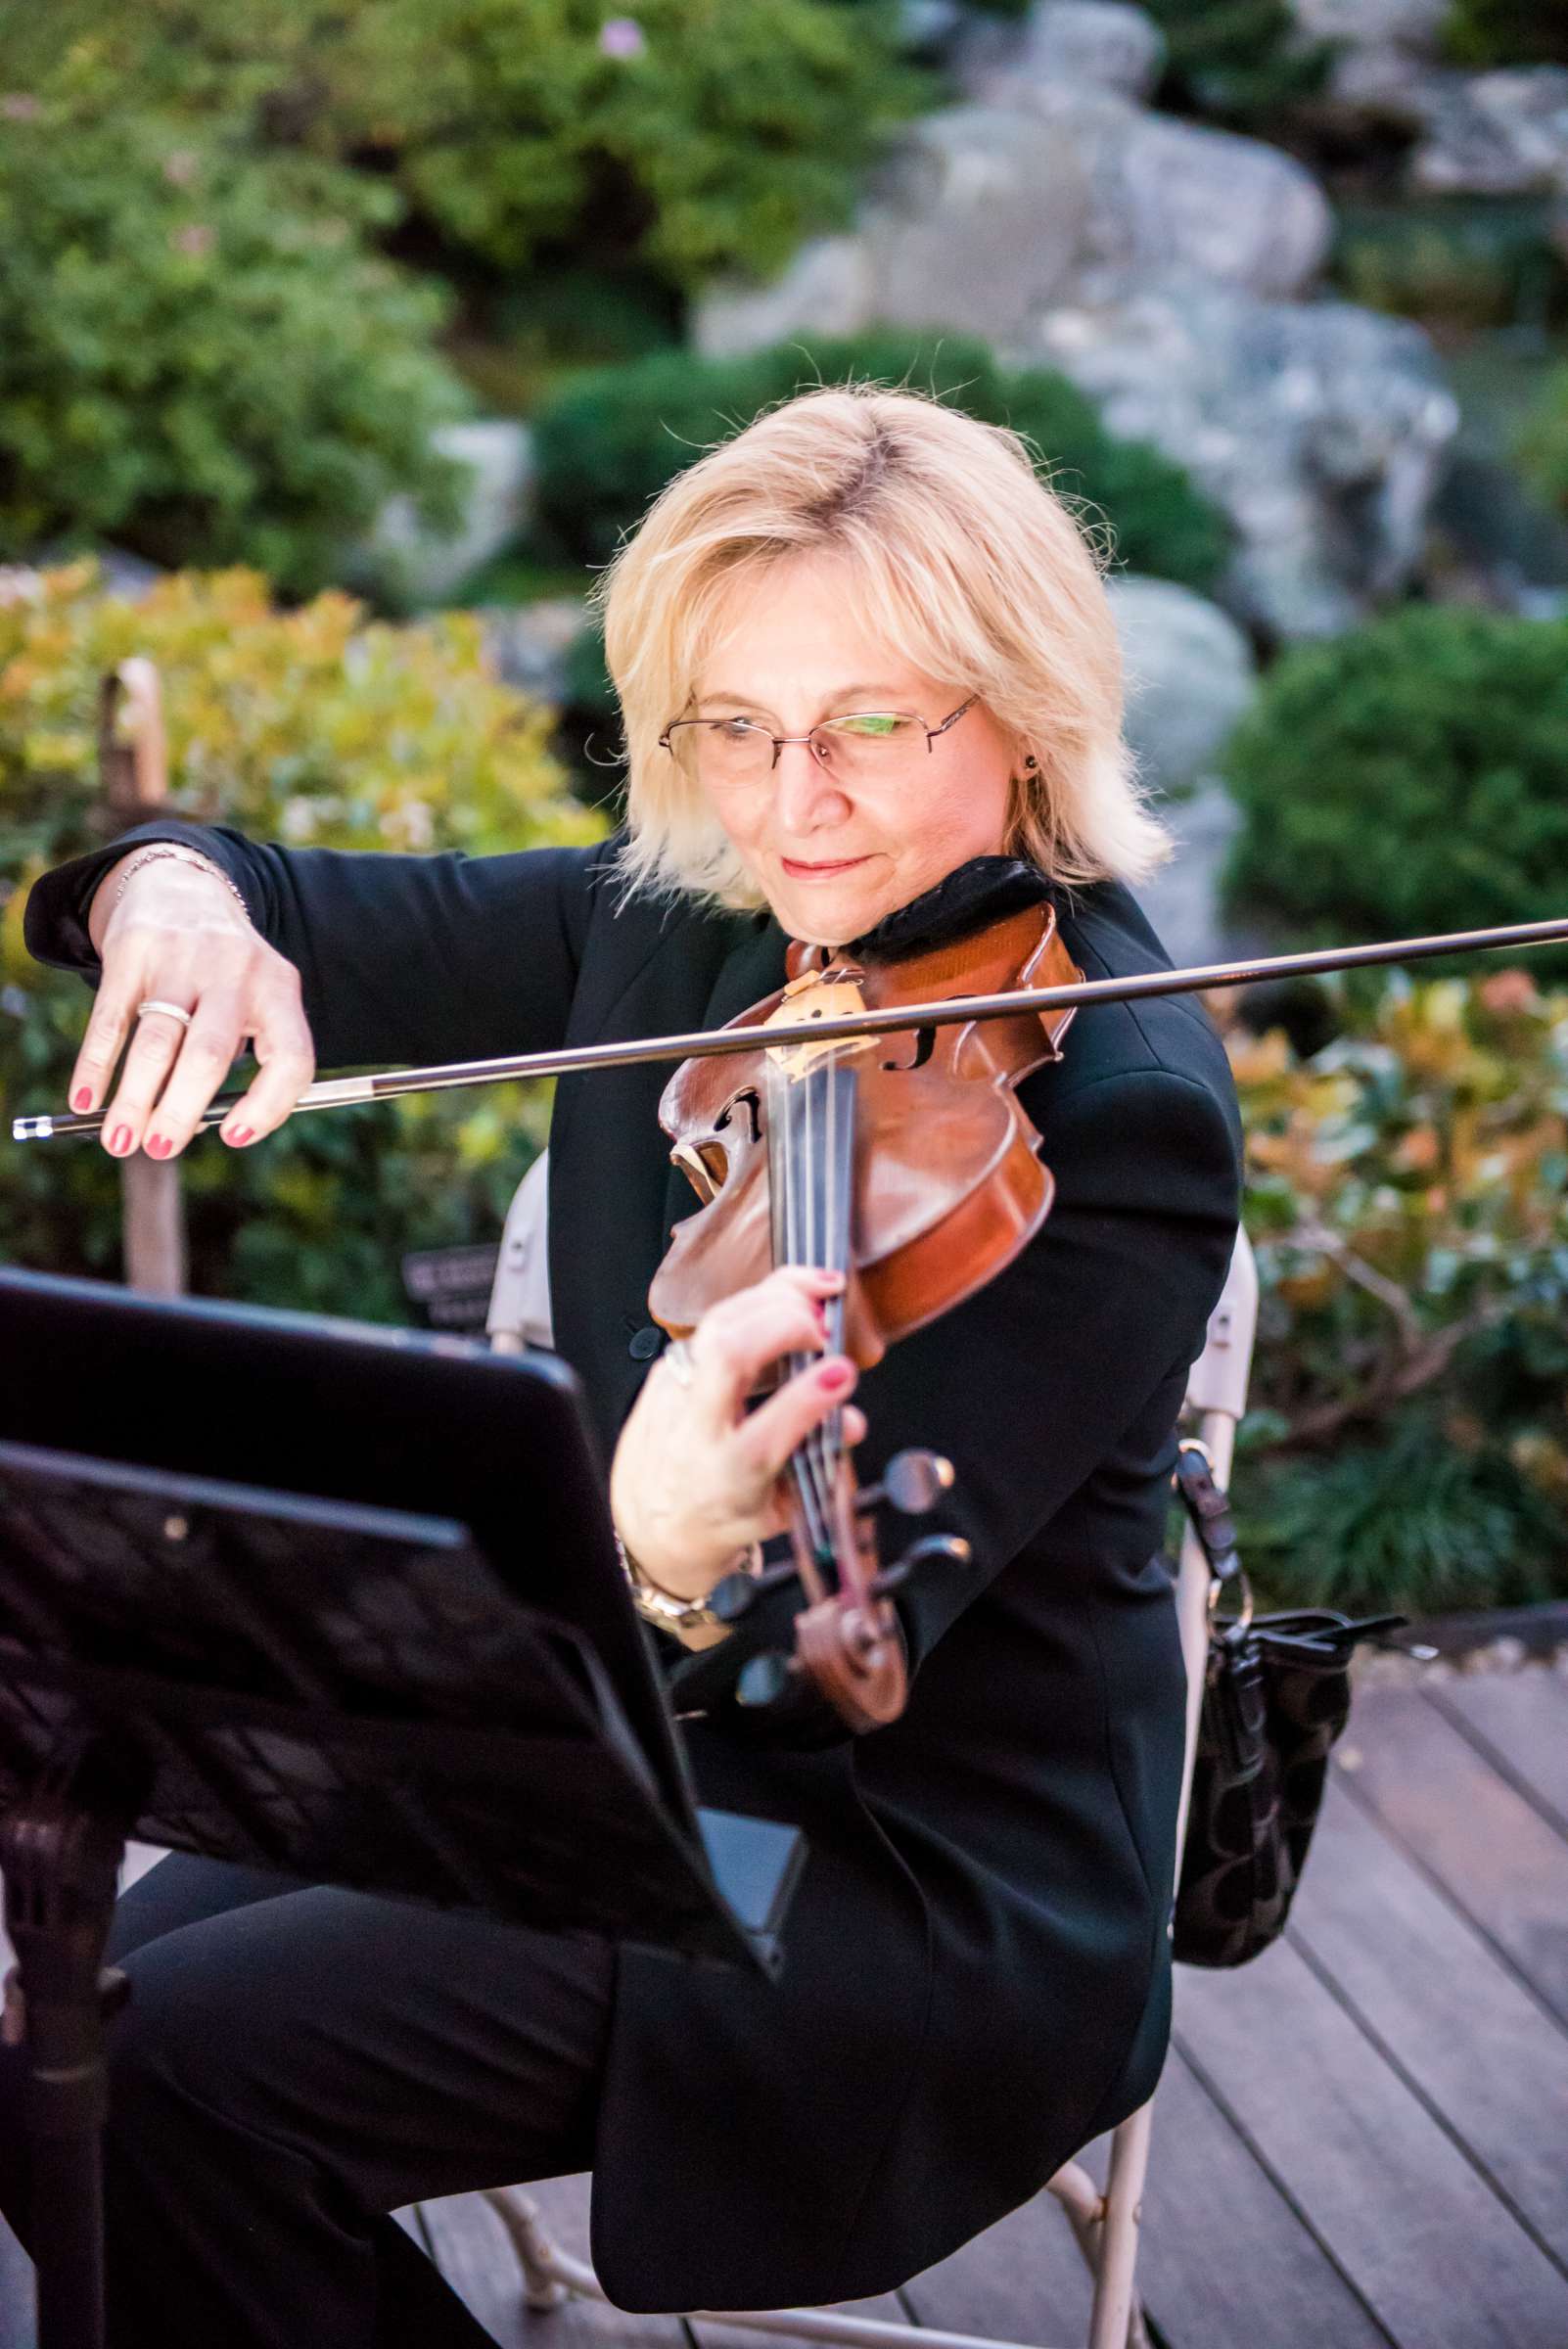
x: 341, y: 341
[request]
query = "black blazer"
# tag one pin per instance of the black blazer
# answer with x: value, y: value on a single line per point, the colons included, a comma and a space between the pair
x: 978, y: 1974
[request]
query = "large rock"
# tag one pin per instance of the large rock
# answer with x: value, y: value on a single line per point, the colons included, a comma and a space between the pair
x: 1190, y: 673
x: 1173, y: 195
x: 1322, y: 428
x: 425, y: 569
x: 987, y: 214
x: 530, y: 644
x: 1495, y: 134
x: 1102, y: 42
x: 1154, y: 261
x: 978, y: 219
x: 1411, y: 25
x: 1504, y: 133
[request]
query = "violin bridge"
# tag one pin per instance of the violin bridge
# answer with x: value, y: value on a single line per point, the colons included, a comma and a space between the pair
x: 816, y: 995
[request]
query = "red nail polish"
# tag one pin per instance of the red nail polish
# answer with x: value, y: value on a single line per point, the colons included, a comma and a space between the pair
x: 159, y: 1146
x: 82, y: 1097
x: 120, y: 1141
x: 836, y: 1378
x: 241, y: 1136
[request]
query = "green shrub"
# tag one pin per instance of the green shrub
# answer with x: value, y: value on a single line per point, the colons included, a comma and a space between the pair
x: 1540, y: 441
x: 607, y: 445
x: 308, y: 727
x: 203, y: 360
x: 1458, y: 260
x: 1243, y: 61
x: 1506, y: 32
x: 690, y: 136
x: 1408, y: 1203
x: 1408, y: 777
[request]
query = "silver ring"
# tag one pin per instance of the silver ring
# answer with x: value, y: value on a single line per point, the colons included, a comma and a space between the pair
x: 156, y: 1003
x: 677, y: 1358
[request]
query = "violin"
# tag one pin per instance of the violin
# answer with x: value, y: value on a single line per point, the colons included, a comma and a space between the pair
x: 902, y: 1160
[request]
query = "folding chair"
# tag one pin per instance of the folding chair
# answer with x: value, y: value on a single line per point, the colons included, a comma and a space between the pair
x: 1105, y: 2226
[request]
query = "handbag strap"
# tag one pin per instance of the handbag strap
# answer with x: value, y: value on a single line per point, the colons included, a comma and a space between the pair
x: 1208, y: 1507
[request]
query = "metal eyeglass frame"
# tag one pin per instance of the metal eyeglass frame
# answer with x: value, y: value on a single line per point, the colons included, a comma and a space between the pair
x: 779, y: 740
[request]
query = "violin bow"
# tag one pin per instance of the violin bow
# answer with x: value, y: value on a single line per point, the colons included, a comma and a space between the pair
x: 338, y: 1092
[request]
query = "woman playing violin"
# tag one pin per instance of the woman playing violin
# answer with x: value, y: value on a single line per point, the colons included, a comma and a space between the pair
x: 868, y: 677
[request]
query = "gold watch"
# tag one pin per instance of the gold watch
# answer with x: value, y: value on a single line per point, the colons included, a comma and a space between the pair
x: 667, y: 1608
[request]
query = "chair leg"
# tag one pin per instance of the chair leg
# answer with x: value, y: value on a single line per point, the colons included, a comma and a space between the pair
x: 544, y: 2286
x: 1117, y: 2320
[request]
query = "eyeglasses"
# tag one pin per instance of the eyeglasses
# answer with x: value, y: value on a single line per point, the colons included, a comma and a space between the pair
x: 863, y: 743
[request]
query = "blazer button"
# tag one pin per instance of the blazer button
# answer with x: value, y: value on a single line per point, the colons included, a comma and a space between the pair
x: 646, y: 1343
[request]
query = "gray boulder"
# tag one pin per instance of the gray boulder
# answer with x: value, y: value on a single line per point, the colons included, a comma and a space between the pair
x: 1159, y: 263
x: 978, y: 219
x: 1182, y: 898
x: 1375, y: 25
x: 1104, y: 43
x: 527, y: 644
x: 1190, y: 673
x: 1173, y: 195
x: 987, y: 214
x: 1495, y: 134
x: 1322, y: 428
x: 1190, y: 676
x: 499, y: 455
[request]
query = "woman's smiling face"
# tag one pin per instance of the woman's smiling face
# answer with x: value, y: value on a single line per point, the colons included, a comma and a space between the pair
x: 834, y: 853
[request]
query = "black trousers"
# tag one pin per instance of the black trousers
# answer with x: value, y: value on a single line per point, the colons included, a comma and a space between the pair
x: 296, y: 2061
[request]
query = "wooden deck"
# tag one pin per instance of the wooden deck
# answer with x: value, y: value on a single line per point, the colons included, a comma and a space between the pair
x: 1361, y: 2140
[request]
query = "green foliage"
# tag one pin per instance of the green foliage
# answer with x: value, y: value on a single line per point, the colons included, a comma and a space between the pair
x: 1408, y: 777
x: 1541, y: 443
x: 1408, y: 1203
x: 691, y: 135
x: 1239, y: 61
x: 308, y: 727
x: 1470, y: 261
x: 611, y: 440
x: 1506, y: 32
x: 203, y: 358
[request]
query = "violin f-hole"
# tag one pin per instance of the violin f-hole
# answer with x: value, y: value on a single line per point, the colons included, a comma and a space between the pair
x: 705, y: 1165
x: 753, y: 1107
x: 925, y: 1045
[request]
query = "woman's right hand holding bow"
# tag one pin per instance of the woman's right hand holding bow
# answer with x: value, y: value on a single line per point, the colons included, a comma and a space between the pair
x: 172, y: 934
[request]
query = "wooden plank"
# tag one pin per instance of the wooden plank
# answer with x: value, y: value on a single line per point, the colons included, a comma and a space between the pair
x: 1024, y: 2280
x: 1404, y: 2214
x: 1520, y: 1720
x: 1479, y: 1837
x: 1226, y: 2256
x: 473, y: 2253
x: 887, y: 2308
x: 1454, y: 2017
x: 17, y: 2306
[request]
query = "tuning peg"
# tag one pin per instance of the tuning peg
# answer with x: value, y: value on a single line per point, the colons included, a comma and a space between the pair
x: 950, y: 1549
x: 765, y: 1679
x: 730, y: 1598
x: 912, y: 1482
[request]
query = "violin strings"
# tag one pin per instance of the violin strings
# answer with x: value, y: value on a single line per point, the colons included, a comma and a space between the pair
x: 818, y: 1161
x: 785, y: 1190
x: 833, y: 1095
x: 816, y: 1158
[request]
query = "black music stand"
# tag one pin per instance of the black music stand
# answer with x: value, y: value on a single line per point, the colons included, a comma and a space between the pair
x: 334, y: 1599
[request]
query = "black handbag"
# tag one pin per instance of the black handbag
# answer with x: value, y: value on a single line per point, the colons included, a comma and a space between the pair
x: 1276, y: 1694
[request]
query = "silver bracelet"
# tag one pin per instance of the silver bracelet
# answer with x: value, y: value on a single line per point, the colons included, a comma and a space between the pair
x: 182, y: 856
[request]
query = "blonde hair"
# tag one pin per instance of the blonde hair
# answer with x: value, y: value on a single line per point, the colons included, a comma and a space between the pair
x: 973, y: 568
